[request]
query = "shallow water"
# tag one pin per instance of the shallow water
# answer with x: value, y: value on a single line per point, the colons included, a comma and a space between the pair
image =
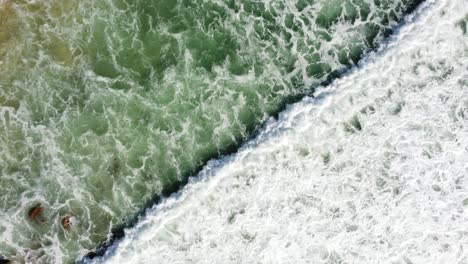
x: 374, y: 169
x: 105, y: 105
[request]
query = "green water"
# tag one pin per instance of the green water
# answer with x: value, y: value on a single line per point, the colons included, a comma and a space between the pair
x: 106, y: 104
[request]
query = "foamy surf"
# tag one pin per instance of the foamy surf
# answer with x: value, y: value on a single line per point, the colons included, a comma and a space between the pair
x: 107, y: 105
x: 374, y: 172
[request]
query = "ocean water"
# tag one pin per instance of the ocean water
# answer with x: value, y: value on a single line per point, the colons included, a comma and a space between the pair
x: 107, y: 105
x: 372, y: 169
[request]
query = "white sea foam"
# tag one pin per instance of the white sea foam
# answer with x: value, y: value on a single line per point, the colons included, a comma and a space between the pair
x: 376, y: 171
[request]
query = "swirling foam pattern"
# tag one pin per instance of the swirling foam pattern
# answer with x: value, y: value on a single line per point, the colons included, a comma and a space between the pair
x: 374, y: 170
x: 106, y: 104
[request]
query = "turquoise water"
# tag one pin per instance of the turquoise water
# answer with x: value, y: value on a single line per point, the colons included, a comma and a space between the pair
x: 372, y: 169
x: 105, y: 105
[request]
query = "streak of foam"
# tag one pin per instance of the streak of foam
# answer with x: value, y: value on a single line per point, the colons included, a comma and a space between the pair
x: 375, y: 172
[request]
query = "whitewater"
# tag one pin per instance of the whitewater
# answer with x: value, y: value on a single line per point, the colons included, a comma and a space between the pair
x: 372, y: 169
x: 108, y: 106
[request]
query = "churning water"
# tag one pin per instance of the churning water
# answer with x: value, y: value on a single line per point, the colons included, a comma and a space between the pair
x: 105, y: 105
x: 374, y: 169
